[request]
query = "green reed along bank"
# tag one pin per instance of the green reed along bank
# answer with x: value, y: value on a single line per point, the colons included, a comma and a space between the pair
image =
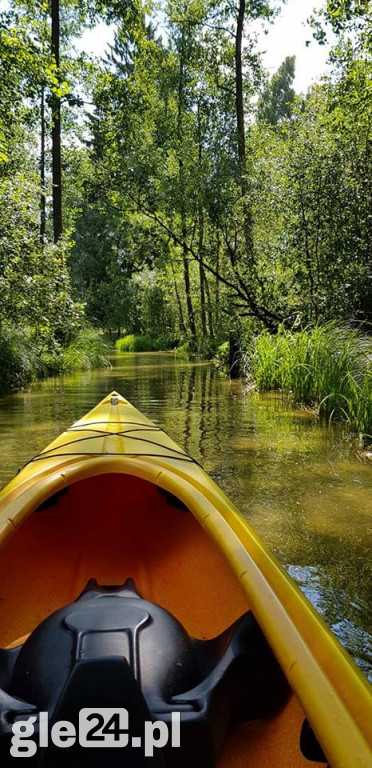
x: 138, y: 343
x: 328, y: 366
x: 24, y: 356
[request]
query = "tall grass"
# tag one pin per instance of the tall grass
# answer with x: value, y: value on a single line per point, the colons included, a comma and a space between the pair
x: 329, y: 366
x: 19, y: 362
x: 24, y: 358
x: 86, y: 351
x: 134, y: 343
x: 183, y: 348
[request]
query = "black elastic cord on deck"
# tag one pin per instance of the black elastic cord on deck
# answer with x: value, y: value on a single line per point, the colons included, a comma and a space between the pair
x: 181, y: 457
x: 46, y: 453
x: 122, y: 432
x: 74, y: 428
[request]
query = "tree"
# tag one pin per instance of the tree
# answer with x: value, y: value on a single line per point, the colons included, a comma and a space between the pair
x: 189, y: 218
x: 56, y: 125
x: 278, y: 98
x: 350, y: 20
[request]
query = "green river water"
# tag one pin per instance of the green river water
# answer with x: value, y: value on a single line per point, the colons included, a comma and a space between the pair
x: 299, y: 483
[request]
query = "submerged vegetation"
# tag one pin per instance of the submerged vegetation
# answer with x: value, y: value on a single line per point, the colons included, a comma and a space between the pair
x: 327, y: 366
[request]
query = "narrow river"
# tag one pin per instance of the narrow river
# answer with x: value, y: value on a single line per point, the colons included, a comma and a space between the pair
x: 299, y: 483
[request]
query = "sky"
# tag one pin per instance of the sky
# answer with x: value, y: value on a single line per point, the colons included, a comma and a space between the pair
x: 287, y: 36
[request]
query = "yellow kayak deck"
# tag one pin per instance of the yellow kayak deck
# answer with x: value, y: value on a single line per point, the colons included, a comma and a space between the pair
x: 109, y: 521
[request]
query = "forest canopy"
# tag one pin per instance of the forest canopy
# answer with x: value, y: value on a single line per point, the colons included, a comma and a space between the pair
x: 173, y: 189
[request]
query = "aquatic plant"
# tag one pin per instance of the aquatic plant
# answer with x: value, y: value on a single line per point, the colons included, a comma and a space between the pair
x: 328, y: 366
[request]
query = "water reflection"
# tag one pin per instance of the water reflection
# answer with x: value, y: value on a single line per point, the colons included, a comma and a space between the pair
x: 298, y: 483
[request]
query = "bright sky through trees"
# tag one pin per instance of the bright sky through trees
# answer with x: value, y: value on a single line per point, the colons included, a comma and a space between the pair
x: 289, y: 35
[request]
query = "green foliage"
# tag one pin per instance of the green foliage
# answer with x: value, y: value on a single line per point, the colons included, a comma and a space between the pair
x: 19, y: 361
x: 312, y: 182
x: 175, y: 231
x: 133, y: 343
x: 278, y: 98
x: 38, y: 314
x: 329, y: 365
x: 350, y: 20
x: 34, y: 280
x: 183, y: 351
x: 25, y: 357
x: 222, y: 356
x: 86, y: 350
x: 165, y: 153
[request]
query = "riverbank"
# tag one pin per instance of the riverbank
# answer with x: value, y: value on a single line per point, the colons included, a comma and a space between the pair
x: 24, y: 357
x: 327, y: 367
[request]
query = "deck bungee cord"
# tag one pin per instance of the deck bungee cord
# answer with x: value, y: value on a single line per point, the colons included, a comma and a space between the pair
x: 115, y: 434
x: 173, y: 452
x: 186, y: 458
x: 134, y: 424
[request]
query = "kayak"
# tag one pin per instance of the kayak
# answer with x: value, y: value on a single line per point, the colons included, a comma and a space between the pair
x: 129, y: 581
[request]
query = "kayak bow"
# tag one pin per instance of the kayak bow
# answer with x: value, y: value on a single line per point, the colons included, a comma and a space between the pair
x: 111, y: 499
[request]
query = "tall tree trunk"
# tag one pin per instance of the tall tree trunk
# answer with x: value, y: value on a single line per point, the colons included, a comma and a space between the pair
x: 305, y: 230
x: 218, y: 246
x: 56, y: 131
x: 190, y: 308
x: 202, y: 277
x: 239, y: 103
x: 42, y: 167
x: 209, y: 306
x: 186, y: 271
x: 201, y: 233
x: 180, y: 312
x: 234, y: 356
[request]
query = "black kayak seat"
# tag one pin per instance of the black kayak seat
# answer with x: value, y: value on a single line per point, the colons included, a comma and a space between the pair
x: 111, y: 648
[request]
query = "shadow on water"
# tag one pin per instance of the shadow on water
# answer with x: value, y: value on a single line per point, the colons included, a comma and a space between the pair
x: 296, y: 481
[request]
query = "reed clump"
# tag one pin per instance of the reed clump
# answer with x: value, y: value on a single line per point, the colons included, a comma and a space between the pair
x: 87, y: 350
x: 327, y: 366
x: 24, y: 356
x: 138, y: 343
